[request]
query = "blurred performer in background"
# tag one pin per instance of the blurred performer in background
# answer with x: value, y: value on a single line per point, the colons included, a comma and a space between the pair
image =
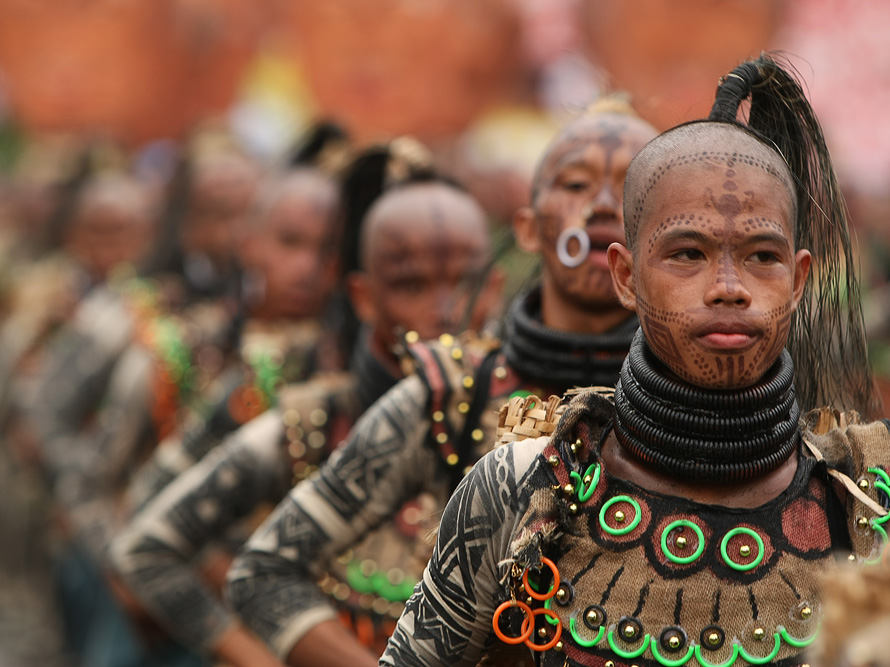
x: 160, y: 553
x: 129, y: 341
x: 287, y: 248
x: 324, y: 578
x: 103, y: 224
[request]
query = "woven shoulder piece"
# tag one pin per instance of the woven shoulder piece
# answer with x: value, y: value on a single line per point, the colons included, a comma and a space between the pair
x: 528, y: 417
x: 857, y: 457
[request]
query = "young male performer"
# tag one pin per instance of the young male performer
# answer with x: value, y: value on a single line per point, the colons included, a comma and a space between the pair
x: 687, y: 522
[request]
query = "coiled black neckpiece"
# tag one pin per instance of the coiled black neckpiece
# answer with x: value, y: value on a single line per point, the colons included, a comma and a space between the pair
x: 559, y: 358
x: 704, y: 435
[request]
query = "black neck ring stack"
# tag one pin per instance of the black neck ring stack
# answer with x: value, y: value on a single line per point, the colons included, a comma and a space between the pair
x: 563, y: 359
x: 704, y: 435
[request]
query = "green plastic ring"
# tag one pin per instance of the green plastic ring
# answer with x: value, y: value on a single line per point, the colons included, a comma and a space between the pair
x: 621, y: 653
x: 549, y: 607
x: 358, y: 581
x: 733, y: 564
x: 754, y: 660
x: 797, y: 643
x: 576, y: 478
x: 880, y: 486
x: 682, y: 560
x: 878, y: 526
x: 586, y: 643
x: 883, y: 488
x: 725, y: 663
x: 584, y: 493
x: 880, y: 472
x: 667, y: 662
x: 638, y: 516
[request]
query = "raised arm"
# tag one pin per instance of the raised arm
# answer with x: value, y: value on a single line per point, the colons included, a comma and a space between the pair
x: 157, y: 555
x: 385, y: 462
x: 448, y: 619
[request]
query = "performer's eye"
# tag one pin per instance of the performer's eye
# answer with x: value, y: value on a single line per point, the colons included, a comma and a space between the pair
x: 575, y: 185
x: 688, y: 255
x: 764, y: 257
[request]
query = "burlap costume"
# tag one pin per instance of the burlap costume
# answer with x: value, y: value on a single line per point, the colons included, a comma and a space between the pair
x: 637, y: 587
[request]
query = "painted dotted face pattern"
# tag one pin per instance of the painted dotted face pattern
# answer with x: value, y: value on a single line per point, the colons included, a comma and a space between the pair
x: 429, y: 248
x: 580, y: 184
x: 716, y: 272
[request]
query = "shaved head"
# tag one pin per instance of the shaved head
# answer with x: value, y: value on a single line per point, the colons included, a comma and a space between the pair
x: 689, y: 151
x: 113, y: 223
x: 603, y: 127
x: 425, y: 248
x: 315, y: 189
x: 438, y: 213
x: 125, y: 195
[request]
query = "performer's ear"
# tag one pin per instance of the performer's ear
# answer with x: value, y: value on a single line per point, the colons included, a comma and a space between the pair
x: 801, y: 271
x: 525, y: 229
x: 621, y: 265
x: 360, y: 295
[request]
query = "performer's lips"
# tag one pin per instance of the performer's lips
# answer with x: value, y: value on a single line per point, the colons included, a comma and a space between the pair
x: 728, y: 335
x: 601, y: 237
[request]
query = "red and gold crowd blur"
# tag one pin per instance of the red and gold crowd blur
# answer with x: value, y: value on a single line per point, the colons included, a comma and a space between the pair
x: 483, y: 83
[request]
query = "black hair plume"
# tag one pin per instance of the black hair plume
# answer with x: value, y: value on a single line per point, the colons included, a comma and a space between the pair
x: 827, y: 340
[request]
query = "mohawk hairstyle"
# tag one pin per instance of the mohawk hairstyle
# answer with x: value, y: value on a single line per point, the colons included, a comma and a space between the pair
x: 827, y: 339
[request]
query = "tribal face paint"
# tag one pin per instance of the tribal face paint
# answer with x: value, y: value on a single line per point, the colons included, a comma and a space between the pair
x: 716, y: 272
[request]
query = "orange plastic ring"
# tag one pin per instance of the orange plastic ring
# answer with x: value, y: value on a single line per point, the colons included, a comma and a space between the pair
x: 556, y: 635
x: 538, y: 596
x: 529, y: 617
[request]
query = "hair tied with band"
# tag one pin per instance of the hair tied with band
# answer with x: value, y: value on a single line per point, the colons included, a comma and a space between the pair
x: 827, y: 340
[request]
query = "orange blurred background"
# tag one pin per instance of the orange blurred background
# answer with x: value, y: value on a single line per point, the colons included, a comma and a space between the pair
x: 483, y: 82
x: 137, y: 70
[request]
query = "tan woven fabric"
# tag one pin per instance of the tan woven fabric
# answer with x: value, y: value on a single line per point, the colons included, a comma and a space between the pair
x: 531, y: 417
x: 528, y: 417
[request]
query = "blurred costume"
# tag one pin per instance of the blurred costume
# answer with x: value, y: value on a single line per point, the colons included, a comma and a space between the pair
x: 217, y: 502
x: 364, y: 521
